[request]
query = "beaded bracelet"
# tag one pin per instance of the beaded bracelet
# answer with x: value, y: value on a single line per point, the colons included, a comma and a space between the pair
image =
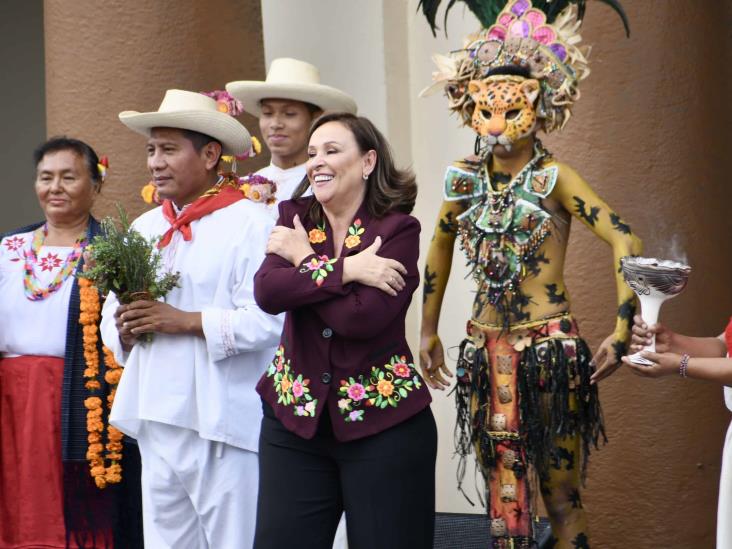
x: 684, y: 365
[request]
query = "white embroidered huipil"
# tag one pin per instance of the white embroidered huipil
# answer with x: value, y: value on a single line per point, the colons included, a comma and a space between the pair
x: 203, y: 384
x: 286, y: 180
x: 22, y: 321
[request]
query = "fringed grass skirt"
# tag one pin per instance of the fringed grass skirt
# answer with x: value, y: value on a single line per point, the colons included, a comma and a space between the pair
x: 519, y: 392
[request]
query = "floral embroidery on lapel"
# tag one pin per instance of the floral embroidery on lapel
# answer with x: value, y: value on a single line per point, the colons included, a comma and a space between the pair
x: 319, y: 267
x: 317, y: 235
x: 354, y: 234
x: 291, y: 390
x: 383, y: 387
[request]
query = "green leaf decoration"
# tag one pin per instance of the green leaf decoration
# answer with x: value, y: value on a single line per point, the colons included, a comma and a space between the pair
x: 124, y: 261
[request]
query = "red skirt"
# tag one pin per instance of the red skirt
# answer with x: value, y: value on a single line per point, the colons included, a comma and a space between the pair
x: 31, y: 473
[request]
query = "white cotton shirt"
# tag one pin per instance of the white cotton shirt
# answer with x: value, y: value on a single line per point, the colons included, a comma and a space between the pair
x: 287, y: 181
x: 203, y: 384
x: 32, y: 327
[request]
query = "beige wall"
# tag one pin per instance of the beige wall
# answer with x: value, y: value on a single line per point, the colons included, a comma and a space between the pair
x: 125, y: 56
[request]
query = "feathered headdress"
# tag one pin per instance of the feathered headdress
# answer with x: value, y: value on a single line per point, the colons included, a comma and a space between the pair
x: 541, y: 37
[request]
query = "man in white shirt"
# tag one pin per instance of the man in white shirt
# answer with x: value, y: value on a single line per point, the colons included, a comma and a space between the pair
x: 286, y: 104
x: 188, y: 395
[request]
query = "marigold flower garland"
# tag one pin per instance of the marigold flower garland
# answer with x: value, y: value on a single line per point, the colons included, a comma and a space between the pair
x: 102, y: 473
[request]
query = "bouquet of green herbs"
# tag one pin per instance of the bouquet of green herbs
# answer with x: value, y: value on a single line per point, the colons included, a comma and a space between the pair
x: 123, y: 261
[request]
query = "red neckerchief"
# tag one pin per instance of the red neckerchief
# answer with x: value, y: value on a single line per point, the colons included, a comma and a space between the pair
x: 219, y: 196
x: 728, y: 337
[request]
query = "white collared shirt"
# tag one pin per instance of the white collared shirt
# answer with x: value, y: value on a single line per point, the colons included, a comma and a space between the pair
x: 203, y: 383
x: 287, y: 181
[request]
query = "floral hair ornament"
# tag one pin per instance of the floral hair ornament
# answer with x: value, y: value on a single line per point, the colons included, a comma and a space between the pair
x: 230, y: 105
x: 540, y: 37
x: 103, y: 167
x: 225, y: 103
x: 258, y: 188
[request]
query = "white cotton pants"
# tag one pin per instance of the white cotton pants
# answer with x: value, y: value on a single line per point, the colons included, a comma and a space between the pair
x: 196, y: 493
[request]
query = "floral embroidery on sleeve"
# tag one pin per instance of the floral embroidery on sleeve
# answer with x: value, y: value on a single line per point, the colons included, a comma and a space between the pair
x: 291, y: 390
x: 383, y: 387
x: 319, y: 267
x: 354, y: 234
x: 317, y: 235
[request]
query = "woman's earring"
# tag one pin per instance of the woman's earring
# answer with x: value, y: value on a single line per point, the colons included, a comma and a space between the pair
x: 366, y: 177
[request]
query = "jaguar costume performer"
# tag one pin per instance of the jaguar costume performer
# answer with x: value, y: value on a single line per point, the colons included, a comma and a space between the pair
x: 526, y: 394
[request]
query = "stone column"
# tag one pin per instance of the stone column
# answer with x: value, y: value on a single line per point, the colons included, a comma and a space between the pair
x: 103, y: 57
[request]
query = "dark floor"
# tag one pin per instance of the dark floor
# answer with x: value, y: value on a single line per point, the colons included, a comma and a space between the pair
x: 466, y: 531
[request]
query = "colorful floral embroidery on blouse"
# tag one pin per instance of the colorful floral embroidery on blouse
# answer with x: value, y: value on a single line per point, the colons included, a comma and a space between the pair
x: 15, y: 244
x: 291, y: 390
x: 319, y: 267
x: 354, y: 234
x: 384, y: 387
x: 317, y: 235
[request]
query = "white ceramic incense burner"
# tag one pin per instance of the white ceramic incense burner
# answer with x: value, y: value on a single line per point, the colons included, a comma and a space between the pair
x: 654, y: 281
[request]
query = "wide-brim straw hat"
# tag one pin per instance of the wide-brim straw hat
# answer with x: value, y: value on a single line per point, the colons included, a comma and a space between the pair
x: 187, y: 110
x: 291, y: 79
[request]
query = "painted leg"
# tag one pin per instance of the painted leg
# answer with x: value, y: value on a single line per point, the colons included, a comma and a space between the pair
x: 560, y: 489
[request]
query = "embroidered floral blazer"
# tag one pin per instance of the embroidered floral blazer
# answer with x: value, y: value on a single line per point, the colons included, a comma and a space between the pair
x: 343, y: 345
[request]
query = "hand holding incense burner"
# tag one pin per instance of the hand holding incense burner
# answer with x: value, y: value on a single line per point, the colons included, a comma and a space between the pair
x: 654, y: 281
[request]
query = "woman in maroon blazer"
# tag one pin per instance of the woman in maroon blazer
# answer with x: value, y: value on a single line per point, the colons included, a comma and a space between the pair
x: 347, y: 422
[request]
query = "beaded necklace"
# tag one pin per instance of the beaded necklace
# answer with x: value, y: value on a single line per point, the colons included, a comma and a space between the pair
x: 33, y: 289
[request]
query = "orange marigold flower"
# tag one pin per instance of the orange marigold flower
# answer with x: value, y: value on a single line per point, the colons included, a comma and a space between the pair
x: 148, y: 193
x: 316, y: 236
x: 92, y: 403
x: 92, y: 385
x: 113, y: 376
x: 352, y: 241
x: 285, y: 385
x: 385, y: 387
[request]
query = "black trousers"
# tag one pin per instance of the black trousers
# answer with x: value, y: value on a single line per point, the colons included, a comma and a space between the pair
x: 385, y: 483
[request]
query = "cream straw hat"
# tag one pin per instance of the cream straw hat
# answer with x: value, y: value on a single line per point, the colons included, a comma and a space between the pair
x: 187, y: 110
x: 290, y: 79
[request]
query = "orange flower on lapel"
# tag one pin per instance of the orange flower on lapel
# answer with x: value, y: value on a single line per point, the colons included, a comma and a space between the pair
x: 354, y: 234
x: 317, y: 235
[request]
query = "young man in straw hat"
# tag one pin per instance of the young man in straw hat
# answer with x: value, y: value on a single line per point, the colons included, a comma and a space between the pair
x: 286, y: 103
x: 188, y: 395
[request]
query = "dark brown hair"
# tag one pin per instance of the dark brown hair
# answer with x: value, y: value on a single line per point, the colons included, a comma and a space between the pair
x: 63, y: 143
x: 387, y: 188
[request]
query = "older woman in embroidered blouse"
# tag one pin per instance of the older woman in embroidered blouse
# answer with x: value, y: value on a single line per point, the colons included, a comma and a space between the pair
x: 47, y: 496
x: 346, y: 413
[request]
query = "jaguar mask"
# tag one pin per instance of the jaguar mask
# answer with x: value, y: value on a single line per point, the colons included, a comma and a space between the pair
x: 504, y: 109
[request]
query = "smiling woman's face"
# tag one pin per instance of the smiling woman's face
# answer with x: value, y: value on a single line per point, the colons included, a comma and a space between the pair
x: 336, y: 165
x: 64, y: 186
